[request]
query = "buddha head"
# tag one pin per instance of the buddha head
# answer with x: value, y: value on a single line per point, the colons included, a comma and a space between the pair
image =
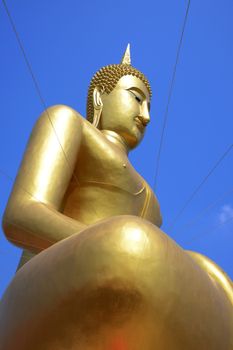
x: 119, y: 100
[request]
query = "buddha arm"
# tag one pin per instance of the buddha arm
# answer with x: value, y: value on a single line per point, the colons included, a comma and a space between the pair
x: 32, y: 219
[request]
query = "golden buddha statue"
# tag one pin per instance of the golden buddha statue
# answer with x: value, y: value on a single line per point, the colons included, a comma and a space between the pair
x: 104, y: 276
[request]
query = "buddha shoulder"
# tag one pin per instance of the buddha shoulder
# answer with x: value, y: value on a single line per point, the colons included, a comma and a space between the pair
x: 60, y: 121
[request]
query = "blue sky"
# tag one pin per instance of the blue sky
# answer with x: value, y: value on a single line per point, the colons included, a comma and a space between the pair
x: 67, y: 41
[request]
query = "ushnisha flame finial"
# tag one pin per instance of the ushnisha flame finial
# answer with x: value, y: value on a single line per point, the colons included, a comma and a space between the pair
x: 126, y: 58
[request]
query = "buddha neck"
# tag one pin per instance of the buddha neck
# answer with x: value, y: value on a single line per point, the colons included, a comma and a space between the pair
x: 115, y: 138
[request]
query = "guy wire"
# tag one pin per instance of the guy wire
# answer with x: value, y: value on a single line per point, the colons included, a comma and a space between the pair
x: 169, y: 95
x: 197, y: 189
x: 36, y: 85
x: 197, y: 217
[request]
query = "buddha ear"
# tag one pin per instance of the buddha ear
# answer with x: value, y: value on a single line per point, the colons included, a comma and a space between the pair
x: 98, y: 106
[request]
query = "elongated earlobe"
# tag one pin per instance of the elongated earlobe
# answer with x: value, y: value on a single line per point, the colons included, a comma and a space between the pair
x: 98, y: 106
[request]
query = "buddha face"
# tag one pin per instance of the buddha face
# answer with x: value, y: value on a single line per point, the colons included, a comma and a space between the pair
x: 125, y: 110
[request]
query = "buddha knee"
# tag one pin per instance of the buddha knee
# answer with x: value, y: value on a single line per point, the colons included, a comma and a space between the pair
x: 132, y: 234
x: 123, y: 242
x: 129, y: 225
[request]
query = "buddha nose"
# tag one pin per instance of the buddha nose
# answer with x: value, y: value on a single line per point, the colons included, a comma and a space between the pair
x: 145, y: 114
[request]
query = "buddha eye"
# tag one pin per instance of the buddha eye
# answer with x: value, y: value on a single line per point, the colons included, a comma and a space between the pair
x: 137, y: 98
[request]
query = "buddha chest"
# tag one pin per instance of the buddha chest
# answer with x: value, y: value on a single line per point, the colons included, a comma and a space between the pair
x: 107, y: 185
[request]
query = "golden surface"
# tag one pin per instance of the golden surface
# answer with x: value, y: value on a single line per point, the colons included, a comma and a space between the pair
x: 113, y: 280
x: 126, y: 59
